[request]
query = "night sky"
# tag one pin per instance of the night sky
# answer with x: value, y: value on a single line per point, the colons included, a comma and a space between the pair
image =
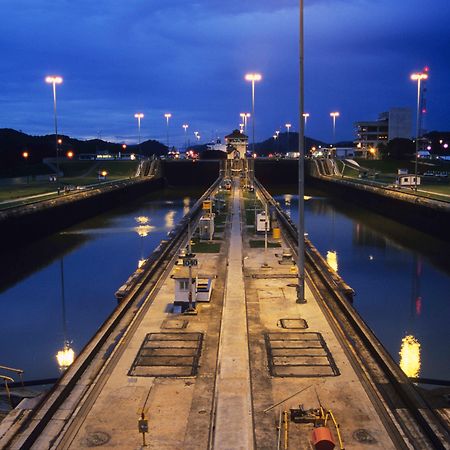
x: 118, y: 57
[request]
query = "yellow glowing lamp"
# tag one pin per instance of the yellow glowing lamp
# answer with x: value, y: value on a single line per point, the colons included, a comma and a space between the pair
x: 65, y: 357
x: 103, y: 173
x: 25, y: 155
x: 410, y: 356
x: 70, y: 154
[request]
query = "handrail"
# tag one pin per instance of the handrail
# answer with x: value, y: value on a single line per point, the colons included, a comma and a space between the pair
x: 12, y: 369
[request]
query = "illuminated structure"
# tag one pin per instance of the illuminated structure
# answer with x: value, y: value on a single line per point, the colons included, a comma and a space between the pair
x: 395, y: 123
x: 236, y: 145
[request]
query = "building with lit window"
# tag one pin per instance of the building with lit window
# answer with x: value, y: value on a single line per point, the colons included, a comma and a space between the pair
x: 395, y: 123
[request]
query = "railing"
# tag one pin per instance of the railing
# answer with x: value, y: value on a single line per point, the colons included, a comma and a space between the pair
x: 6, y: 379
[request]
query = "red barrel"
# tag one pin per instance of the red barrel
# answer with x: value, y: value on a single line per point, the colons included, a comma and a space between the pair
x: 322, y: 439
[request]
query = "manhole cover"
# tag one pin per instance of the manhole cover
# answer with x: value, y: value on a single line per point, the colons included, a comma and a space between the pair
x: 299, y: 324
x: 173, y: 324
x: 96, y: 439
x: 364, y: 436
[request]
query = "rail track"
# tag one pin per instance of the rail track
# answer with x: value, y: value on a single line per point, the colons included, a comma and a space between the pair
x: 408, y: 417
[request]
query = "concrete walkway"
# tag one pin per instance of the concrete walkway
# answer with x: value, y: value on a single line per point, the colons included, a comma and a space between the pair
x: 234, y: 419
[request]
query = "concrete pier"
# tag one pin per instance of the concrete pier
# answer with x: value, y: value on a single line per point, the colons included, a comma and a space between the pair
x: 233, y: 425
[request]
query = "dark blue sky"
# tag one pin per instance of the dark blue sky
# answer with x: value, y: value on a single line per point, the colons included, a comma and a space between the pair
x: 189, y: 58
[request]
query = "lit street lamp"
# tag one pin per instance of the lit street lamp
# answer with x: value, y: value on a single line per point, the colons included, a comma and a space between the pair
x: 418, y: 77
x: 305, y: 116
x: 288, y: 127
x: 25, y: 156
x: 244, y: 117
x: 253, y: 77
x: 185, y: 126
x: 334, y: 115
x: 167, y: 116
x: 139, y: 116
x: 54, y: 80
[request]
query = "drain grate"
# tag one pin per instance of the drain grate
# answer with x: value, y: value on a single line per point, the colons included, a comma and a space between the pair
x: 299, y: 354
x: 174, y: 324
x: 299, y: 324
x: 168, y: 355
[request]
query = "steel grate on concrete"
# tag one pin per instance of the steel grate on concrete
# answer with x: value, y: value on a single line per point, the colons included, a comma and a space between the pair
x: 168, y: 355
x: 299, y: 354
x: 299, y: 324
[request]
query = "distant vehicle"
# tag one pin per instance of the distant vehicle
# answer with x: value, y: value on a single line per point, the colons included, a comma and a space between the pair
x: 407, y: 180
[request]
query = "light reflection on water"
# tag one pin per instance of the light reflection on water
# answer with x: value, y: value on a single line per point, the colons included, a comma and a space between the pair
x: 401, y: 278
x: 56, y: 292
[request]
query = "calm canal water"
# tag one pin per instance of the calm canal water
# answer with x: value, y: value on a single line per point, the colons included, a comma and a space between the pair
x: 62, y: 288
x: 401, y: 278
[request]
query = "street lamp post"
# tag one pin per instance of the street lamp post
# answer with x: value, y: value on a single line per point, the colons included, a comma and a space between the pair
x: 54, y: 80
x: 288, y: 127
x: 253, y: 77
x: 167, y: 116
x: 301, y: 169
x: 185, y: 126
x: 139, y: 116
x: 333, y: 116
x: 417, y: 77
x: 25, y: 156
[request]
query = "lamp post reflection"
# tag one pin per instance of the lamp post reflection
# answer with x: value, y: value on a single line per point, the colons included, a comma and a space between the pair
x: 66, y: 355
x: 410, y: 356
x: 186, y: 205
x: 143, y: 229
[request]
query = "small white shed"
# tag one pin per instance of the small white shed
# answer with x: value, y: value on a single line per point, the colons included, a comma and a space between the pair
x: 262, y: 221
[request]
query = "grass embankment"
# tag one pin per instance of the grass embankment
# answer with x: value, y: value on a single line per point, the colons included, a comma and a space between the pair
x: 78, y: 173
x: 385, y: 172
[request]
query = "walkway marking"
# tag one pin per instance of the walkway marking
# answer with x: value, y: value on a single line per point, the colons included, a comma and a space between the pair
x: 233, y: 415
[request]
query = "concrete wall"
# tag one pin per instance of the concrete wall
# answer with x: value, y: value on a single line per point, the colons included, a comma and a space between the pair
x: 201, y: 173
x: 25, y: 224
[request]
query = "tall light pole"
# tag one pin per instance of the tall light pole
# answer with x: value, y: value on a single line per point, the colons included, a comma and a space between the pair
x: 139, y: 116
x: 301, y: 168
x: 288, y: 127
x: 54, y: 80
x: 418, y: 77
x: 333, y: 116
x: 305, y: 118
x: 253, y: 77
x: 185, y: 126
x: 167, y: 116
x: 245, y: 117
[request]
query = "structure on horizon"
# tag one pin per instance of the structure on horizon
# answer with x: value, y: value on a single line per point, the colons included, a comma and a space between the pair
x: 395, y: 123
x: 236, y: 145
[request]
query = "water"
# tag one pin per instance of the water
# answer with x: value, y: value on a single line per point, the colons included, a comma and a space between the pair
x: 62, y: 287
x: 401, y: 278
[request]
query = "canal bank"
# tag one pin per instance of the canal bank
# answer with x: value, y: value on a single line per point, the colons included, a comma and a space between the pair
x: 23, y: 224
x: 425, y: 214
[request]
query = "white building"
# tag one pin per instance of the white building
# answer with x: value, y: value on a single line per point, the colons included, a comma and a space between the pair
x: 395, y: 123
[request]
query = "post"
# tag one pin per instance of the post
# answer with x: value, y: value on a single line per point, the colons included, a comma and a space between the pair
x: 417, y: 132
x: 265, y: 236
x: 253, y: 115
x: 301, y: 171
x: 56, y: 134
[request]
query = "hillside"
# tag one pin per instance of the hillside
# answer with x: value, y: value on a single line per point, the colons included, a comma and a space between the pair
x: 13, y: 143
